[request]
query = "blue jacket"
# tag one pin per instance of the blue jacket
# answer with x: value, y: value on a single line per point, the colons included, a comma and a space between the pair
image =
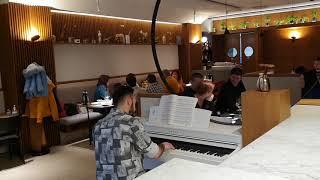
x: 101, y: 92
x: 36, y: 83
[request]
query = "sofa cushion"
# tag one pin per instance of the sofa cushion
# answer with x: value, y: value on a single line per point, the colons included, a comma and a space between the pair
x: 80, y: 118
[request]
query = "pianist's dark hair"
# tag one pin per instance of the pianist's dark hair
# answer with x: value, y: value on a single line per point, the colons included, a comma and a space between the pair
x: 236, y: 71
x: 120, y: 92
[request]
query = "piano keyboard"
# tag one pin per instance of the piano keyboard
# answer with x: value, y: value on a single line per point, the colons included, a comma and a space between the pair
x: 194, y: 152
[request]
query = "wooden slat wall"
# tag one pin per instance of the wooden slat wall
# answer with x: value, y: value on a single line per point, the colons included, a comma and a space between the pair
x: 87, y: 27
x: 22, y: 52
x: 17, y: 52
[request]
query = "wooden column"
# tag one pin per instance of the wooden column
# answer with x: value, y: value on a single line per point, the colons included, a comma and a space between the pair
x: 18, y: 24
x: 189, y: 51
x: 261, y: 111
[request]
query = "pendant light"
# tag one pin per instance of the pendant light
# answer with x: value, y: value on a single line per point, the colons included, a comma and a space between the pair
x: 226, y: 31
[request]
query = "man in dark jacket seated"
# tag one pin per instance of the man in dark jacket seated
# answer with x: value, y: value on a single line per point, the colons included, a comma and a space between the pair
x: 312, y: 81
x: 231, y: 92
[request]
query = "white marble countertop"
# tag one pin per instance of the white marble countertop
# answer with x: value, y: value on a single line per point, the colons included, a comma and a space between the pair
x: 290, y: 150
x: 178, y: 169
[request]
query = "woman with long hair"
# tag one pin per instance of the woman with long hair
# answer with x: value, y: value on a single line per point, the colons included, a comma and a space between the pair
x: 102, y: 88
x: 178, y: 76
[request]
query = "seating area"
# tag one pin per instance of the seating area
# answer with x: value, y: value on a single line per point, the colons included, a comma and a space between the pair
x: 126, y: 89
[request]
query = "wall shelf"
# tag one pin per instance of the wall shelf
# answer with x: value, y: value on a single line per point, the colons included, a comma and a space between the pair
x: 135, y: 44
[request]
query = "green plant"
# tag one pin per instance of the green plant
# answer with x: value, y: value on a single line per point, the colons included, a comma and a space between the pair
x: 304, y: 19
x: 244, y: 25
x: 256, y: 24
x: 223, y: 25
x: 314, y: 13
x: 267, y: 19
x: 279, y: 22
x: 292, y: 19
x: 232, y: 27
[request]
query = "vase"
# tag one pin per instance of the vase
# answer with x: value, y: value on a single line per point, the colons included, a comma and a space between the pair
x: 263, y: 83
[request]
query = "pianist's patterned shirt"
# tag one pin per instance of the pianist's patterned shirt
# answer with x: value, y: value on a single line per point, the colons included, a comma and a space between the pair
x: 120, y: 142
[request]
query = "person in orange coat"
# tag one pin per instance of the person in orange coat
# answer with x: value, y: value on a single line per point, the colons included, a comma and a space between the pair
x: 37, y: 109
x: 178, y: 76
x: 172, y: 82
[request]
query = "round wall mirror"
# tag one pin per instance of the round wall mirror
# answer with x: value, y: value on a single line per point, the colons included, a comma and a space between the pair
x: 232, y: 52
x: 248, y: 51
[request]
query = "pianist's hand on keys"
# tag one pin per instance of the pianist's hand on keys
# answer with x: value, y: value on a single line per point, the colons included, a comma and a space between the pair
x: 168, y: 146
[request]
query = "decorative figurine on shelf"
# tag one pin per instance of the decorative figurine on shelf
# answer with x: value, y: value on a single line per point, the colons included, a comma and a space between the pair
x: 14, y: 110
x: 62, y: 33
x: 77, y: 41
x: 99, y: 37
x: 169, y: 37
x: 144, y: 36
x: 127, y: 38
x: 263, y: 83
x: 8, y: 112
x: 107, y: 40
x: 85, y: 41
x: 120, y: 38
x: 178, y: 40
x: 164, y: 39
x: 70, y: 39
x: 157, y: 39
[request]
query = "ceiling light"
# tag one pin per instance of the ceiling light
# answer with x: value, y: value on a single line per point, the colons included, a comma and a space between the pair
x: 110, y: 17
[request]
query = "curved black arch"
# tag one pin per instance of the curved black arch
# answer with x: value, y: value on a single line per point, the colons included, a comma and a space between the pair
x: 153, y: 45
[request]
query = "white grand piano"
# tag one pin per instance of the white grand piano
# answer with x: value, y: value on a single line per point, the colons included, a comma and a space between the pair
x: 212, y: 145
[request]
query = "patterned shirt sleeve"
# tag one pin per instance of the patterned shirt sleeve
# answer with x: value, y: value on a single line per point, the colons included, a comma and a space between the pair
x: 142, y: 141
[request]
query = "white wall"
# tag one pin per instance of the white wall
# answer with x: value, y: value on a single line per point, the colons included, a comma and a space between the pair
x: 76, y: 62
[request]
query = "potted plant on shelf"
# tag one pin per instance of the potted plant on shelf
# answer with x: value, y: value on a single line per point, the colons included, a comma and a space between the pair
x: 314, y: 15
x: 256, y: 24
x: 304, y: 19
x: 232, y: 27
x: 244, y: 25
x: 279, y: 22
x: 223, y: 25
x: 267, y: 20
x: 292, y: 19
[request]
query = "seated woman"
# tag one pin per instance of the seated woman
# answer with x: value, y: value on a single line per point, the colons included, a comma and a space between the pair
x: 205, y: 96
x: 178, y: 76
x: 102, y: 88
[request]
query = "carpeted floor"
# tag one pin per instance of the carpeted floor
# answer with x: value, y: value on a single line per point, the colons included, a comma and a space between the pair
x: 74, y: 162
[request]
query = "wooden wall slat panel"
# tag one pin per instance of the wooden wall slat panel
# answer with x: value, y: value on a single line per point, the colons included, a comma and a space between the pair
x: 17, y: 52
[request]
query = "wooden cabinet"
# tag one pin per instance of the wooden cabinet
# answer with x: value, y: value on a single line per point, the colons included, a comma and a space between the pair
x: 261, y: 111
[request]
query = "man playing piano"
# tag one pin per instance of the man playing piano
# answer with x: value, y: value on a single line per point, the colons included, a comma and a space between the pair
x: 120, y: 141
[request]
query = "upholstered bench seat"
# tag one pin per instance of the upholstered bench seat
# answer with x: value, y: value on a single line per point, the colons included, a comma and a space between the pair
x: 80, y: 118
